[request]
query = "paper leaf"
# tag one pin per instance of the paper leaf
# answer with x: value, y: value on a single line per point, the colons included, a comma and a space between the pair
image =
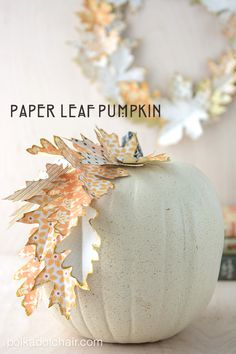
x: 63, y: 292
x: 30, y: 301
x: 155, y: 158
x: 70, y: 155
x: 116, y: 152
x: 46, y: 147
x: 108, y: 172
x: 36, y: 187
x: 182, y: 115
x: 29, y: 272
x: 43, y: 237
x: 28, y: 250
x: 96, y: 186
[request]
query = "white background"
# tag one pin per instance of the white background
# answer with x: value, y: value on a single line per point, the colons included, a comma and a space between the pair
x: 37, y: 67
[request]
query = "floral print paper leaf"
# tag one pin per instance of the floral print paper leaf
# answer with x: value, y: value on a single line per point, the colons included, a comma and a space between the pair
x: 29, y: 272
x: 43, y: 237
x: 63, y: 292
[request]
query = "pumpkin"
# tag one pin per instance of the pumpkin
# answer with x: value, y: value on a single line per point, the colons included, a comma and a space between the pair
x: 161, y: 232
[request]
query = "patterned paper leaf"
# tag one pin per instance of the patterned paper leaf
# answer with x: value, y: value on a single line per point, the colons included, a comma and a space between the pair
x: 125, y: 154
x: 36, y: 187
x: 63, y: 292
x: 46, y: 147
x: 29, y: 272
x: 43, y: 237
x: 30, y: 301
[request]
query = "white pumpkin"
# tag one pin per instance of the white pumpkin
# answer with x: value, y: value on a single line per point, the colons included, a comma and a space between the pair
x: 161, y: 233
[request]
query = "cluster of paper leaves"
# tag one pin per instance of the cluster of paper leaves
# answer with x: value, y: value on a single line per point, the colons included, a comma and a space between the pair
x: 60, y: 200
x: 107, y: 57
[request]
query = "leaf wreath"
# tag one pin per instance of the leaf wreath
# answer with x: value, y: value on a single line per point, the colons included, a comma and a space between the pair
x: 62, y: 200
x: 107, y: 57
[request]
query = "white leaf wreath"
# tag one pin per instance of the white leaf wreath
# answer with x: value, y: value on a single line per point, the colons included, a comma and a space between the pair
x: 107, y: 58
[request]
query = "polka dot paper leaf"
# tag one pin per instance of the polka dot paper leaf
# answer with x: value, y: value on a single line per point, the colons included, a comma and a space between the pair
x: 189, y: 106
x: 91, y: 153
x: 87, y: 145
x: 60, y: 202
x: 92, y: 158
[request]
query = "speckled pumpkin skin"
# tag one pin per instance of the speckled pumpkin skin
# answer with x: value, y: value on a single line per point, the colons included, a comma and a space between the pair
x: 162, y: 238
